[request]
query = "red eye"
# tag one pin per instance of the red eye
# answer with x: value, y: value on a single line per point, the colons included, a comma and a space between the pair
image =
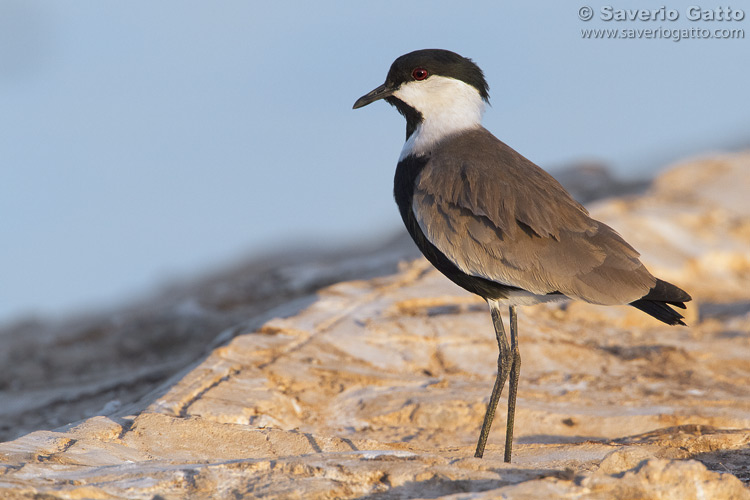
x: 419, y: 74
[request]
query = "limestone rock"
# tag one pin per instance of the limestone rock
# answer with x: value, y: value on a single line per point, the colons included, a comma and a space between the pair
x: 377, y: 388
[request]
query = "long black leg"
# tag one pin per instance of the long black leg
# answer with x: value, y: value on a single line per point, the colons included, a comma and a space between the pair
x: 515, y: 372
x: 503, y: 369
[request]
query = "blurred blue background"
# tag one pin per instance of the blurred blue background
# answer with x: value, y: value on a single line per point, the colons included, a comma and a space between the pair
x: 142, y: 141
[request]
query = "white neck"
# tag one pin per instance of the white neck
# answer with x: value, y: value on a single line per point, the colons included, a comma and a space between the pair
x: 447, y: 106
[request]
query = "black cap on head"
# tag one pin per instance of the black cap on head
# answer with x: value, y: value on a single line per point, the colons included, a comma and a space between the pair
x: 420, y: 65
x: 437, y: 62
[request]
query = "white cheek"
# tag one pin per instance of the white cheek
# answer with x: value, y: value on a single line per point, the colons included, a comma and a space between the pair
x: 447, y: 106
x: 438, y: 95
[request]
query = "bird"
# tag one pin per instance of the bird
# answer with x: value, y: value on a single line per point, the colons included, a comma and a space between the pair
x: 495, y: 223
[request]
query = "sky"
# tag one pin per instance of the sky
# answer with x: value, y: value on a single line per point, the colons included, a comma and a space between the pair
x: 142, y: 142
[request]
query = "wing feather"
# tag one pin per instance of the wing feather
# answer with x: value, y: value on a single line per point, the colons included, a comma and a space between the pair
x: 498, y: 216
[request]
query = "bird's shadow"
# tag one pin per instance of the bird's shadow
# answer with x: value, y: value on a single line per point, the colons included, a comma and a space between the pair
x: 437, y: 486
x: 558, y: 439
x: 735, y: 462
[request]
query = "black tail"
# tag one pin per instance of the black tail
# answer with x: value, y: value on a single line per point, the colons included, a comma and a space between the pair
x: 657, y: 301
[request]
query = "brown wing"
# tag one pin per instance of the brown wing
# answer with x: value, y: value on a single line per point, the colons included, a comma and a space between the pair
x: 496, y: 215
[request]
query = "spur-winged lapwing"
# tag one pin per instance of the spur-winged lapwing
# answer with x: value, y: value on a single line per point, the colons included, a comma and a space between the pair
x: 495, y: 223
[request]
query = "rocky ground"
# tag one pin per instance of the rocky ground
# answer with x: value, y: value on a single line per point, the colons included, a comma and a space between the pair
x: 376, y: 387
